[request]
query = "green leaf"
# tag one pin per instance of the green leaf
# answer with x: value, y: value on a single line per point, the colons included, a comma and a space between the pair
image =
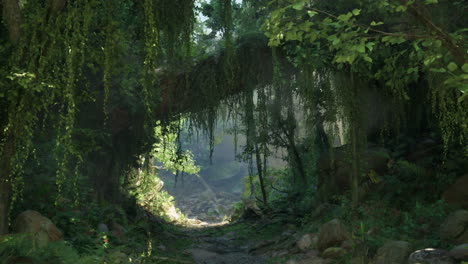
x: 438, y: 70
x: 356, y: 12
x: 373, y: 23
x: 370, y: 45
x: 464, y: 89
x: 393, y: 40
x: 386, y: 38
x: 345, y: 17
x: 465, y: 67
x: 327, y: 20
x: 428, y: 2
x: 461, y: 99
x: 405, y: 95
x: 401, y: 8
x: 306, y: 26
x: 299, y: 6
x: 274, y: 42
x: 452, y: 66
x: 360, y: 48
x: 333, y: 39
x: 311, y: 13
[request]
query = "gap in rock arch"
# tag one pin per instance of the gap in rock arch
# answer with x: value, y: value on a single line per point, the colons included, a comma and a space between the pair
x: 211, y: 196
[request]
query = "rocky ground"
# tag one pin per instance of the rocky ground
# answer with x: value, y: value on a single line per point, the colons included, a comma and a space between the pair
x: 207, y: 206
x: 234, y: 243
x: 277, y: 241
x: 270, y: 240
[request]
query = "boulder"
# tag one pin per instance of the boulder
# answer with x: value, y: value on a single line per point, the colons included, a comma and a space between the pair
x: 307, y: 242
x: 314, y: 260
x: 334, y: 252
x: 332, y: 233
x: 457, y: 194
x: 455, y: 227
x: 463, y: 238
x: 359, y: 260
x: 102, y: 228
x: 460, y: 252
x: 40, y: 227
x: 430, y: 256
x: 312, y: 253
x: 393, y: 252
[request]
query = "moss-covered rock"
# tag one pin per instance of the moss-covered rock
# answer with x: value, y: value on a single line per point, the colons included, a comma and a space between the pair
x: 332, y: 233
x: 393, y: 252
x: 40, y: 227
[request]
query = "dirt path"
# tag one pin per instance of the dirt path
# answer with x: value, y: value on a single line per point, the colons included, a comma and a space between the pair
x: 246, y: 242
x: 210, y: 247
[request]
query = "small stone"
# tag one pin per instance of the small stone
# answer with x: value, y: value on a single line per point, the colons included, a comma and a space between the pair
x: 464, y: 237
x: 315, y: 260
x: 359, y: 260
x: 281, y: 253
x: 454, y: 227
x: 312, y: 253
x: 202, y: 256
x: 305, y: 242
x: 334, y: 252
x: 430, y: 256
x: 460, y: 252
x: 392, y: 252
x: 162, y: 247
x: 102, y: 228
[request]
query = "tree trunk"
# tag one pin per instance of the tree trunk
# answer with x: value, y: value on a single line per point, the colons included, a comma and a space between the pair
x: 5, y: 182
x: 355, y: 144
x: 12, y: 17
x: 260, y: 174
x: 5, y: 199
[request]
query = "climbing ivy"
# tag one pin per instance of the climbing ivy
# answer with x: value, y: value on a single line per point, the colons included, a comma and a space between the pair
x: 135, y: 61
x: 67, y: 56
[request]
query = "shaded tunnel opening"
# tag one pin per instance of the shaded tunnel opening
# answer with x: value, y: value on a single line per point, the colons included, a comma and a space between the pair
x: 221, y: 183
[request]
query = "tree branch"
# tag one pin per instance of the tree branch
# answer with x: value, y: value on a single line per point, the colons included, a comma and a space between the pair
x: 405, y: 35
x: 457, y: 52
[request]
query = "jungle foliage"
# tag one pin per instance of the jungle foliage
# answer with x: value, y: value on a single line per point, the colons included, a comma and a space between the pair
x: 84, y: 84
